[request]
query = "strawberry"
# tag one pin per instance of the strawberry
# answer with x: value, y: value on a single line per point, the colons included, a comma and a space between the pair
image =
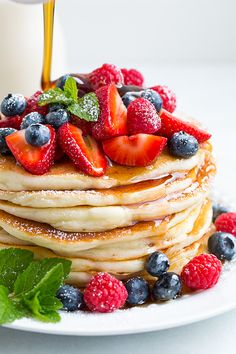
x: 113, y: 116
x: 36, y: 160
x: 84, y: 152
x: 11, y: 122
x: 134, y: 150
x: 170, y: 125
x: 85, y: 126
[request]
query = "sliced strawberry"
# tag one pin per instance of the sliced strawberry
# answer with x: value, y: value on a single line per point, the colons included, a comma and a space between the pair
x: 59, y: 153
x: 134, y: 150
x: 170, y: 125
x: 84, y: 152
x: 85, y: 126
x: 113, y: 117
x: 12, y: 122
x: 36, y: 160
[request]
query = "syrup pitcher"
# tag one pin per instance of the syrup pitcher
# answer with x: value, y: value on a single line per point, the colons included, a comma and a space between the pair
x: 22, y: 43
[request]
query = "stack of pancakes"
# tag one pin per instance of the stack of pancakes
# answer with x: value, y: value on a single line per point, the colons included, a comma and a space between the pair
x: 110, y: 223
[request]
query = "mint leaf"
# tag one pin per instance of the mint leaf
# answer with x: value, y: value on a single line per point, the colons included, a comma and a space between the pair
x: 13, y: 261
x: 54, y: 96
x: 31, y: 278
x: 42, y: 313
x: 9, y: 310
x: 86, y: 108
x: 70, y: 88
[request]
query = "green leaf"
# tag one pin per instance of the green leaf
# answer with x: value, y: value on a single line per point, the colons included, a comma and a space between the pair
x: 41, y: 312
x: 70, y: 88
x: 86, y: 108
x: 13, y: 261
x: 9, y: 310
x: 54, y: 96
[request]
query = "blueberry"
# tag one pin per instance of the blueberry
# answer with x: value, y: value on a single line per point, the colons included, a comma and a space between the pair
x: 218, y: 210
x: 71, y: 298
x: 138, y: 291
x: 13, y: 104
x: 167, y: 287
x: 61, y: 81
x: 32, y: 118
x: 57, y: 118
x: 4, y: 132
x: 55, y: 107
x: 37, y: 135
x: 129, y: 97
x: 222, y: 245
x: 157, y: 264
x: 154, y: 98
x: 183, y: 145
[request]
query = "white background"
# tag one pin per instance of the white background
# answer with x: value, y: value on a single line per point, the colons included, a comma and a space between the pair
x: 187, y: 44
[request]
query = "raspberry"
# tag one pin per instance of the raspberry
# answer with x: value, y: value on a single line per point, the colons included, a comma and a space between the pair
x: 11, y: 122
x: 32, y: 104
x: 142, y: 117
x: 132, y: 77
x: 168, y: 97
x: 226, y: 223
x: 104, y: 293
x: 202, y: 272
x: 106, y: 74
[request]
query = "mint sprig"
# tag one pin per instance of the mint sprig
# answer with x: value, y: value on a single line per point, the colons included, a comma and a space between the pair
x: 31, y: 292
x: 86, y: 108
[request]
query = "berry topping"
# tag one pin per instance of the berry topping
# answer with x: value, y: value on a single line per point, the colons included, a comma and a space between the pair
x: 142, y: 117
x: 32, y: 118
x: 85, y: 126
x: 36, y: 160
x: 37, y: 134
x: 168, y: 97
x: 4, y: 132
x: 138, y: 291
x: 222, y: 245
x: 113, y: 114
x: 55, y: 107
x: 72, y: 298
x: 157, y: 264
x: 105, y: 293
x: 57, y: 118
x: 134, y: 150
x: 60, y: 83
x: 105, y: 75
x: 202, y: 272
x: 11, y: 122
x: 218, y: 210
x: 133, y: 77
x: 154, y: 98
x: 183, y: 145
x: 226, y: 223
x: 167, y: 287
x: 129, y: 88
x: 171, y: 125
x: 13, y: 104
x: 84, y: 152
x: 129, y: 97
x: 32, y: 104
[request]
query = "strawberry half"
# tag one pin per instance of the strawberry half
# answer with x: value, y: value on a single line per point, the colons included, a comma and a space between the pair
x: 11, y: 122
x: 84, y: 152
x: 36, y: 160
x: 134, y: 150
x: 113, y: 117
x: 170, y: 125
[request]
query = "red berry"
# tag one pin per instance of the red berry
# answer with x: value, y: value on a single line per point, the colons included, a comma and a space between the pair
x: 105, y: 293
x: 226, y: 223
x: 171, y: 124
x: 113, y: 114
x: 134, y: 150
x: 85, y: 126
x: 32, y: 104
x: 142, y: 117
x: 132, y: 77
x: 36, y: 160
x: 105, y: 75
x: 202, y: 272
x: 168, y: 97
x: 84, y: 152
x: 11, y: 122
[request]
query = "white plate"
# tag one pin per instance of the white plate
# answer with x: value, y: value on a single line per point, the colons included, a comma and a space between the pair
x: 185, y: 310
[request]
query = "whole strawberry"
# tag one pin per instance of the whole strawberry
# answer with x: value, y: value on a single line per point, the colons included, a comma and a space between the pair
x: 202, y: 272
x: 105, y: 75
x: 105, y: 293
x: 168, y: 97
x: 226, y: 223
x: 132, y: 77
